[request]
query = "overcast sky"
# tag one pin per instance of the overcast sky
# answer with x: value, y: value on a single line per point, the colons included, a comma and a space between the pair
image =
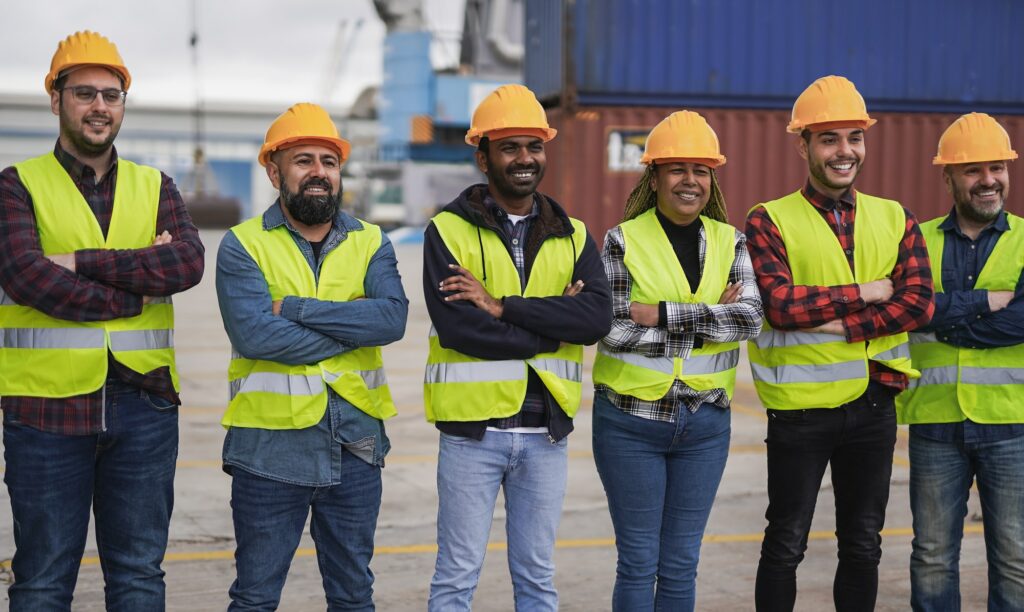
x: 260, y: 51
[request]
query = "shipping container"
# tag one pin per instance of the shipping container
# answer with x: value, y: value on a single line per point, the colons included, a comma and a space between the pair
x: 904, y: 55
x: 593, y: 163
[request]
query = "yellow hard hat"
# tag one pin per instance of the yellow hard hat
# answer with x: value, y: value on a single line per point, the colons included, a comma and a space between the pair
x: 86, y: 49
x: 830, y: 102
x: 683, y: 136
x: 974, y: 137
x: 303, y: 123
x: 510, y: 110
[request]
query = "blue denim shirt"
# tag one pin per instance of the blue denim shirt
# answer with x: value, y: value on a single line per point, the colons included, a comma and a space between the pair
x: 962, y: 318
x: 307, y: 331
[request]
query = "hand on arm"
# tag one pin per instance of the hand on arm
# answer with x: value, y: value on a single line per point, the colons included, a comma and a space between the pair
x: 375, y: 318
x: 172, y: 264
x: 29, y: 278
x: 464, y: 286
x: 789, y: 306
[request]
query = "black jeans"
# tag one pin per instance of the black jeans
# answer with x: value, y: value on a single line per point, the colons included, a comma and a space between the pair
x: 857, y: 439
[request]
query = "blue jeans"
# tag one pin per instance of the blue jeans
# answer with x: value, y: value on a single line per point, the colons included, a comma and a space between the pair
x: 856, y: 440
x: 940, y: 481
x: 661, y: 479
x: 269, y: 517
x: 532, y: 471
x: 126, y: 474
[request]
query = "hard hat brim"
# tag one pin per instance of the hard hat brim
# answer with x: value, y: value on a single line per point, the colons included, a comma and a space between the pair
x: 342, y: 146
x: 710, y: 162
x: 126, y: 77
x: 796, y: 127
x: 546, y: 134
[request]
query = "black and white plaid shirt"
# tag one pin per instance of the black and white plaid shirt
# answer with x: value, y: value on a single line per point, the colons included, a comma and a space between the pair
x: 684, y: 322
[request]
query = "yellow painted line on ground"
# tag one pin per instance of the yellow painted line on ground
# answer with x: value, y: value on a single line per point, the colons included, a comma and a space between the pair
x: 416, y: 549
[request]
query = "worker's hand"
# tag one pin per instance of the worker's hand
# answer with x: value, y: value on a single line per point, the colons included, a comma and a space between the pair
x: 998, y: 300
x: 832, y: 327
x: 573, y: 289
x: 644, y: 314
x: 64, y: 260
x: 164, y: 238
x: 732, y: 293
x: 276, y: 307
x: 465, y: 286
x: 876, y: 291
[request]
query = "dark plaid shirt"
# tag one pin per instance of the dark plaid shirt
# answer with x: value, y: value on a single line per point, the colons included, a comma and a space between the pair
x: 789, y: 306
x: 684, y: 324
x: 533, y: 412
x: 107, y: 284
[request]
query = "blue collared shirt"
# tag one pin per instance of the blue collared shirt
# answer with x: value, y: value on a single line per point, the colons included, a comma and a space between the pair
x: 307, y: 331
x: 962, y: 318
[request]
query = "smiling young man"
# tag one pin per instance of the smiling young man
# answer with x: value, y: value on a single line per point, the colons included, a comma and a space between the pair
x: 843, y: 277
x: 308, y: 295
x: 94, y: 246
x: 966, y: 412
x: 514, y: 288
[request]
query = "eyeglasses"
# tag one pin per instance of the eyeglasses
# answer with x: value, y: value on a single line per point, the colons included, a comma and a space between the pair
x: 85, y: 94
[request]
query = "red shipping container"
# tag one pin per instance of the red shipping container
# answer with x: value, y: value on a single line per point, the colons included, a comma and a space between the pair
x: 593, y: 162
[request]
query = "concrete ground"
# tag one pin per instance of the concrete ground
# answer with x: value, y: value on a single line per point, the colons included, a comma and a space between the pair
x: 199, y: 560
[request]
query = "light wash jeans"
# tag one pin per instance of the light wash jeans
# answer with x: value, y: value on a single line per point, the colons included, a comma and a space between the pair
x: 532, y: 471
x: 940, y: 482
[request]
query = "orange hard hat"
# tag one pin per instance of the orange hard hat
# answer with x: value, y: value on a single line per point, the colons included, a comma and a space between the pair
x: 86, y: 49
x: 974, y: 137
x: 303, y: 123
x: 510, y: 110
x: 830, y: 102
x: 683, y: 136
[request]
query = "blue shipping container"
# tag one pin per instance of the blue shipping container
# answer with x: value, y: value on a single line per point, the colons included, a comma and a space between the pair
x: 903, y: 55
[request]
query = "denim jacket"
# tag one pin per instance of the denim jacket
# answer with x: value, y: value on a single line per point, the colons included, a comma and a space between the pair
x: 308, y: 330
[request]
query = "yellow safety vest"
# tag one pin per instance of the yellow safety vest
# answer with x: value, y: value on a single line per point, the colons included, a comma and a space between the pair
x: 42, y: 356
x: 984, y: 385
x: 458, y: 387
x: 798, y: 369
x: 272, y: 395
x: 657, y: 276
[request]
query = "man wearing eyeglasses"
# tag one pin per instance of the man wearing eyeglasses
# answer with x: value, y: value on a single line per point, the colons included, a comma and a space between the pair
x: 93, y: 248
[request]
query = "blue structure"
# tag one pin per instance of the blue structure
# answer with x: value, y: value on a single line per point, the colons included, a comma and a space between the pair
x: 904, y: 55
x: 411, y: 88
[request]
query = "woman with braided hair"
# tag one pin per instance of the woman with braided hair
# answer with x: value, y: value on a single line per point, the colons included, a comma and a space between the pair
x: 683, y: 297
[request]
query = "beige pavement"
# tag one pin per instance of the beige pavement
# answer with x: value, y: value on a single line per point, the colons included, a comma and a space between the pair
x: 199, y: 561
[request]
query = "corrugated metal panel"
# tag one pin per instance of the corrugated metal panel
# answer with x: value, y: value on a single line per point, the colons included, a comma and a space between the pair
x: 904, y: 55
x: 592, y: 162
x: 544, y: 47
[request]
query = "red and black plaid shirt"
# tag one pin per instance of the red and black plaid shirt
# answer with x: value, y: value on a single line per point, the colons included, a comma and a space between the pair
x: 107, y: 284
x: 789, y: 306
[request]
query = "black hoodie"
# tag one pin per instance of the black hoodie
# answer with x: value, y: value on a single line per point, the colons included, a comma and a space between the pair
x: 528, y: 326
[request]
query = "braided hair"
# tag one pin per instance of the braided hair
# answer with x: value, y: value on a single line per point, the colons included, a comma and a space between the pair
x: 643, y: 198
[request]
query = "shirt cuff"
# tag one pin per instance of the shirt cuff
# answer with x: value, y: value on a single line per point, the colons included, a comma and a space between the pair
x: 662, y: 314
x: 291, y: 308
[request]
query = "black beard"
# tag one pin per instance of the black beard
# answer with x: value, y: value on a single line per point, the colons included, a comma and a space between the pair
x: 78, y: 141
x: 503, y: 181
x: 311, y: 210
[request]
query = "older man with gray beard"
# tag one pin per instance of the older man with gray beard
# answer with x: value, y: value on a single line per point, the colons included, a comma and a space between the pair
x: 966, y: 412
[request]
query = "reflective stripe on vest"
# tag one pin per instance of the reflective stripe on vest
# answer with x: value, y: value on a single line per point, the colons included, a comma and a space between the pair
x: 458, y: 387
x: 272, y: 395
x: 958, y: 383
x: 78, y: 350
x: 658, y: 276
x: 699, y: 364
x: 799, y: 369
